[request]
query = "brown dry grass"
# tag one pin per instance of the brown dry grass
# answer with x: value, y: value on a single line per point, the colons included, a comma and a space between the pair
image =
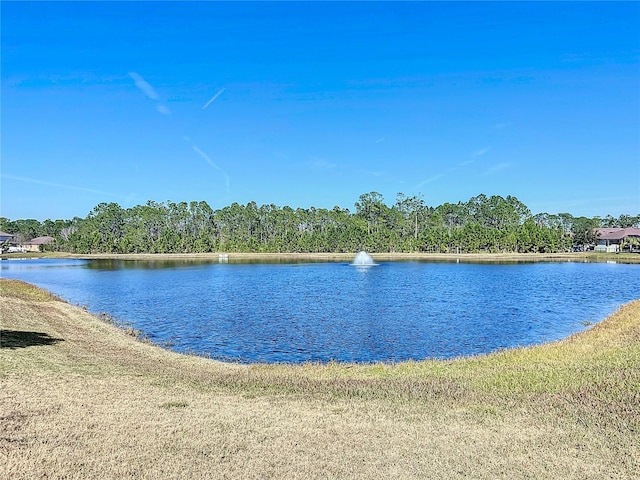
x: 80, y: 398
x: 347, y: 257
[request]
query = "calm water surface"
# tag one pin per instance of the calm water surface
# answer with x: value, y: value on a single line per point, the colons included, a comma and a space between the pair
x: 334, y: 311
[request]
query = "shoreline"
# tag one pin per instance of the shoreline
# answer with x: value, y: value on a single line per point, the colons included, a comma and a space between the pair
x: 233, y: 257
x: 83, y: 397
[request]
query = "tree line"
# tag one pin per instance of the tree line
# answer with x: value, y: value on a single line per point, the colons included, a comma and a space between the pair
x: 481, y: 224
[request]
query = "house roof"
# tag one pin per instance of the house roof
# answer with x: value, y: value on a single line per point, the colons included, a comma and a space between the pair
x: 40, y: 240
x: 617, y: 233
x: 3, y: 234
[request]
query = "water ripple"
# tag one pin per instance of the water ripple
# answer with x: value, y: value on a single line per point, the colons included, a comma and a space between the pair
x: 332, y: 311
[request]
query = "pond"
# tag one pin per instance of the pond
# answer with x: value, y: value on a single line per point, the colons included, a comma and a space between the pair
x: 318, y: 312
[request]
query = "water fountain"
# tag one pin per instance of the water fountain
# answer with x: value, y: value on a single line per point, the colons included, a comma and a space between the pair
x: 363, y: 259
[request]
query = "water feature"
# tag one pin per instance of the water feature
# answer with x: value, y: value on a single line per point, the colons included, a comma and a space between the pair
x: 363, y: 259
x: 330, y: 311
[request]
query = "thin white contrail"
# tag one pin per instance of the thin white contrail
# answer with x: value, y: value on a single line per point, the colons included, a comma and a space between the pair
x: 143, y: 85
x: 213, y: 98
x: 163, y: 109
x: 206, y: 157
x: 227, y: 178
x: 60, y: 185
x: 482, y: 151
x: 150, y: 92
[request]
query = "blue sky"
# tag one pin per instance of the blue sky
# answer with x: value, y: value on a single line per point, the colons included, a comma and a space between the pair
x: 313, y: 104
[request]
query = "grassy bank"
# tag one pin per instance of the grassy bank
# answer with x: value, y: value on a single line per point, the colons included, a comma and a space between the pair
x: 347, y: 257
x: 80, y: 398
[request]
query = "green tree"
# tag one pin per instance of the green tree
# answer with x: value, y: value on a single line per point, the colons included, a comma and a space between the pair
x: 370, y: 208
x: 583, y: 231
x: 413, y: 212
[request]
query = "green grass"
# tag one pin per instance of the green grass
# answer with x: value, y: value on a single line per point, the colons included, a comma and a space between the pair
x: 25, y: 291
